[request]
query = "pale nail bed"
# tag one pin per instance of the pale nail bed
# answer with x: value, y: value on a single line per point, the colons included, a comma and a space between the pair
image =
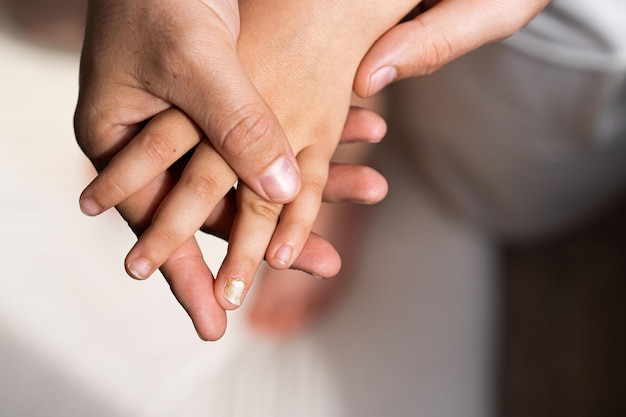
x: 280, y: 181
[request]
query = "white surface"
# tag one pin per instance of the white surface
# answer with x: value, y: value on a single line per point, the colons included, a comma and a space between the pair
x: 69, y: 317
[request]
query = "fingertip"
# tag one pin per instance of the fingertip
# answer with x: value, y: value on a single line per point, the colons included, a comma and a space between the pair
x: 231, y: 287
x: 378, y: 129
x: 192, y: 284
x: 327, y: 270
x: 387, y: 60
x: 89, y: 206
x: 282, y: 257
x: 210, y: 327
x: 209, y: 320
x: 318, y: 258
x: 139, y: 268
x: 376, y: 189
x: 363, y: 125
x: 375, y: 72
x: 234, y: 291
x: 281, y: 181
x: 362, y: 82
x: 210, y: 336
x: 381, y: 78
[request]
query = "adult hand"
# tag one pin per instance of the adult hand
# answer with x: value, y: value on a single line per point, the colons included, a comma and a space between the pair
x: 141, y: 58
x: 441, y: 31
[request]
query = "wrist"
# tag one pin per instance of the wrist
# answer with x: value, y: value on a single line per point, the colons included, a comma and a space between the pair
x: 334, y: 31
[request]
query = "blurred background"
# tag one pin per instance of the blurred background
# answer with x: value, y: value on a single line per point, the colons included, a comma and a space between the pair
x: 77, y: 337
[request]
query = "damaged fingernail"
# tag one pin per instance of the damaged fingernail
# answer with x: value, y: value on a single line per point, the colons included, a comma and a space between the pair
x: 233, y: 292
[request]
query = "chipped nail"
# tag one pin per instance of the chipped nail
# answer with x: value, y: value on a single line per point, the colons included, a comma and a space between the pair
x: 234, y: 291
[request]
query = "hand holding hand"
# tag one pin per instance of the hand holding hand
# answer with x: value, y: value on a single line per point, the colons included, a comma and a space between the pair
x: 189, y: 278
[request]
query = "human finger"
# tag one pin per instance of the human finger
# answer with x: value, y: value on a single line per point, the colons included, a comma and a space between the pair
x: 188, y: 276
x: 164, y: 140
x: 235, y: 118
x: 191, y: 282
x: 204, y: 182
x: 363, y: 126
x: 442, y: 33
x: 252, y: 230
x: 346, y: 184
x: 355, y: 184
x: 318, y: 256
x: 297, y: 218
x: 364, y: 184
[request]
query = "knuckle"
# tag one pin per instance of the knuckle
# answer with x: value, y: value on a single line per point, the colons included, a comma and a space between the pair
x: 92, y: 146
x: 80, y: 126
x: 89, y: 132
x: 176, y: 59
x: 175, y: 62
x: 95, y: 136
x: 168, y: 239
x: 203, y: 187
x: 113, y: 190
x: 436, y: 52
x: 158, y: 148
x: 246, y: 127
x: 315, y: 182
x: 262, y: 209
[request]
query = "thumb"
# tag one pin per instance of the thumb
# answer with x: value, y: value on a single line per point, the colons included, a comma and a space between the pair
x: 444, y: 32
x: 222, y: 100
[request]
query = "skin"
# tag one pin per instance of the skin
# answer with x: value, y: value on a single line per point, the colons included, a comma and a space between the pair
x: 395, y: 49
x: 141, y: 58
x: 438, y: 32
x: 121, y: 91
x: 312, y: 116
x: 441, y: 31
x: 192, y: 283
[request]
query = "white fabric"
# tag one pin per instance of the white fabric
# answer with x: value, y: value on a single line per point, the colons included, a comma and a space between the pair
x: 588, y: 35
x: 519, y: 145
x: 77, y: 337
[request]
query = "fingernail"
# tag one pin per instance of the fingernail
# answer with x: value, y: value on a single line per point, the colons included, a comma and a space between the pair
x: 283, y: 254
x: 234, y: 291
x: 139, y: 268
x: 89, y: 206
x: 280, y: 181
x: 381, y: 78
